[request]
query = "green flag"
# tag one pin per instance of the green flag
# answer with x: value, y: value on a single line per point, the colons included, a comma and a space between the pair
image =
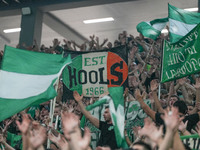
x: 152, y: 29
x: 27, y: 78
x: 181, y: 58
x: 181, y: 22
x: 116, y: 106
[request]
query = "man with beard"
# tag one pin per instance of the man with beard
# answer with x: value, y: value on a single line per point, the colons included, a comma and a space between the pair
x: 106, y: 127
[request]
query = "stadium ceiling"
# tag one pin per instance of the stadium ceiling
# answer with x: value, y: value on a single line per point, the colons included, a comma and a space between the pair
x: 64, y: 18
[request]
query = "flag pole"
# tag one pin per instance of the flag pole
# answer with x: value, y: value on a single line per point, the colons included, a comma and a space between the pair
x: 159, y: 88
x: 51, y: 113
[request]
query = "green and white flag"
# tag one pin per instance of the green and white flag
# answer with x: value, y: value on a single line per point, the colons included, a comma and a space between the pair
x: 181, y: 22
x: 27, y: 78
x: 182, y: 58
x: 152, y: 29
x: 116, y: 106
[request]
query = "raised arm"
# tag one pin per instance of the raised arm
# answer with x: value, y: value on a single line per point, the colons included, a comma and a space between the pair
x: 3, y: 141
x: 87, y: 114
x: 171, y: 138
x: 154, y: 87
x: 144, y: 106
x: 182, y: 82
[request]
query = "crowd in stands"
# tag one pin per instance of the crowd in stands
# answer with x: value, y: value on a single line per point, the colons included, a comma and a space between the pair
x: 176, y: 110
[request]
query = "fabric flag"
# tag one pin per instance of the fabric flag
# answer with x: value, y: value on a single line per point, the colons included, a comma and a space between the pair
x: 181, y: 59
x: 181, y: 22
x: 92, y: 73
x: 152, y: 29
x: 27, y: 78
x: 116, y: 106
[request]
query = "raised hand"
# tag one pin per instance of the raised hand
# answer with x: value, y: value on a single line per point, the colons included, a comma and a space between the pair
x: 138, y: 95
x: 171, y: 118
x: 70, y: 121
x: 126, y: 92
x: 37, y: 136
x: 136, y: 131
x: 134, y: 81
x: 197, y: 84
x: 23, y: 127
x: 37, y: 113
x: 182, y: 81
x: 2, y: 139
x: 79, y: 143
x: 154, y: 85
x: 59, y: 141
x: 77, y: 97
x: 182, y: 126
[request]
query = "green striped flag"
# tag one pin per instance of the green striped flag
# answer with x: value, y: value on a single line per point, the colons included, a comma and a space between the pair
x: 152, y: 29
x: 27, y: 78
x: 116, y: 107
x: 181, y: 22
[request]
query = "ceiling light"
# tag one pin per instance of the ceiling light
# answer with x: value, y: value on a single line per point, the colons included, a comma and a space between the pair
x: 12, y: 30
x: 164, y: 31
x: 98, y: 20
x: 191, y: 9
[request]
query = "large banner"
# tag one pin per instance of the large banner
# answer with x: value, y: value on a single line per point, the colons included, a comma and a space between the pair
x: 181, y: 58
x: 92, y: 73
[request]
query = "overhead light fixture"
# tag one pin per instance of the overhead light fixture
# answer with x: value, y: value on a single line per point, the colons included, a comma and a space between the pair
x: 164, y: 31
x: 191, y: 9
x: 12, y: 30
x: 98, y: 20
x: 4, y: 1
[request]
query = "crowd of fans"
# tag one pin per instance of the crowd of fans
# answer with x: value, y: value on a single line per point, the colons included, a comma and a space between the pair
x: 31, y: 128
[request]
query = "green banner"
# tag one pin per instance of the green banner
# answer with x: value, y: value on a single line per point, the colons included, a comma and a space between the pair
x: 181, y: 58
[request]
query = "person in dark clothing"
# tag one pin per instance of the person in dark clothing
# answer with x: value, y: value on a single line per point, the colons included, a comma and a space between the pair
x: 182, y: 107
x: 107, y: 137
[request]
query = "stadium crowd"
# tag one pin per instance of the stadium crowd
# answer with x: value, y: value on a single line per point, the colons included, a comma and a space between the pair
x: 174, y: 112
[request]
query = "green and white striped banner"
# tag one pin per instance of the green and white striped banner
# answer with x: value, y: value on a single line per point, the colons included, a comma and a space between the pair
x: 152, y: 29
x: 181, y: 22
x: 27, y: 78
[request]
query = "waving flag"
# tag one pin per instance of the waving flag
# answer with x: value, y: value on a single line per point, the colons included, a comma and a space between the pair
x: 27, y: 78
x: 181, y: 22
x: 117, y: 114
x: 152, y: 29
x: 181, y: 59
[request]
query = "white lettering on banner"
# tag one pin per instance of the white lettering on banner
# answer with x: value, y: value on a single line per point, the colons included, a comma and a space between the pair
x: 175, y: 58
x: 188, y: 67
x: 189, y: 38
x: 191, y: 50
